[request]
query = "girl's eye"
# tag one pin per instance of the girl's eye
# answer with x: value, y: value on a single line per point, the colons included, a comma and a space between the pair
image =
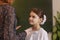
x: 29, y: 16
x: 33, y: 16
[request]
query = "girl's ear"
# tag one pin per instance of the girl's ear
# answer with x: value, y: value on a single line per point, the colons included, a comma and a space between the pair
x: 40, y: 20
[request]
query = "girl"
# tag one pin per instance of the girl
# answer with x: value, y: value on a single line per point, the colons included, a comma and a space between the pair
x: 36, y: 32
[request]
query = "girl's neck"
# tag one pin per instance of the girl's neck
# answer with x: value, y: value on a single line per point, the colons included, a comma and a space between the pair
x: 36, y: 27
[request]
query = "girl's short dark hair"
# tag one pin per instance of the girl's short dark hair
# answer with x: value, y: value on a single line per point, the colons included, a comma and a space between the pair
x: 39, y: 12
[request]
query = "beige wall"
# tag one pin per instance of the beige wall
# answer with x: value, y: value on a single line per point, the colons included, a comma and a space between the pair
x: 56, y: 7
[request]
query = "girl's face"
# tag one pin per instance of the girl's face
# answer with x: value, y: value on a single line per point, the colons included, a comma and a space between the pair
x: 34, y: 19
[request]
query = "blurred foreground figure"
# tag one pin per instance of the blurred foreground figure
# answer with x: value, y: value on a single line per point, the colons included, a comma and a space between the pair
x: 8, y: 22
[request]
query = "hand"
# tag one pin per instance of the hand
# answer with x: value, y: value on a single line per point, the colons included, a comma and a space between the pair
x: 18, y: 27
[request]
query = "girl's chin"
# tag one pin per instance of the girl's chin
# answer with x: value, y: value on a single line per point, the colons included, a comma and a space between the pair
x: 31, y: 23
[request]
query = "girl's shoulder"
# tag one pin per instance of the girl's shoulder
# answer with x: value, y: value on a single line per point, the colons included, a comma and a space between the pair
x: 28, y: 31
x: 43, y: 31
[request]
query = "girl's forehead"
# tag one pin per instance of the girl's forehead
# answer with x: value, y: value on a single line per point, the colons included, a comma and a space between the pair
x: 33, y: 13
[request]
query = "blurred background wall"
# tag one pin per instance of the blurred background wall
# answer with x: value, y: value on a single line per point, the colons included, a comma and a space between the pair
x: 56, y: 7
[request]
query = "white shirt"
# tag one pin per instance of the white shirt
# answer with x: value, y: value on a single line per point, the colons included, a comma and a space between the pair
x: 41, y: 34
